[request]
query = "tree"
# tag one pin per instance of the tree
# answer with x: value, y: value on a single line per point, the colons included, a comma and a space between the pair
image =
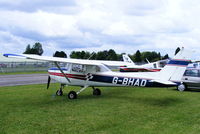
x: 75, y: 54
x: 137, y: 56
x: 101, y: 55
x: 147, y: 55
x: 165, y: 57
x: 80, y: 54
x: 119, y: 57
x: 112, y: 55
x: 36, y: 49
x: 87, y: 55
x: 28, y: 49
x: 159, y: 56
x: 60, y: 54
x: 177, y: 50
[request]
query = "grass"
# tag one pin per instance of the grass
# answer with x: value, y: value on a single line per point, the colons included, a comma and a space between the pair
x: 122, y: 110
x: 31, y: 72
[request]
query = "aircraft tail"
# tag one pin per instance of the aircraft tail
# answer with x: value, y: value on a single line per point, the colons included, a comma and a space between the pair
x: 175, y: 68
x: 126, y: 58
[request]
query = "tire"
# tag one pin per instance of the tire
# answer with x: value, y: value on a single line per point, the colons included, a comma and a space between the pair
x: 59, y: 93
x: 72, y: 95
x: 96, y: 92
x: 181, y: 87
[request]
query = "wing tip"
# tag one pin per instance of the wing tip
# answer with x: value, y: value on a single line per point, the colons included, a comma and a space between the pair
x: 6, y: 55
x: 12, y: 55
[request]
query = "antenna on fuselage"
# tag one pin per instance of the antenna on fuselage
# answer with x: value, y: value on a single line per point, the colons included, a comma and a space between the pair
x: 147, y: 60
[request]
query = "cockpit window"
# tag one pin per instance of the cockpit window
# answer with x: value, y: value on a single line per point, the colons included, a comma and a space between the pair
x: 79, y: 68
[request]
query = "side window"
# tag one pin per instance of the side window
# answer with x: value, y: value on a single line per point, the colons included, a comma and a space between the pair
x: 154, y: 65
x: 193, y: 73
x: 162, y: 64
x: 78, y: 68
x: 98, y: 69
x: 92, y: 69
x: 195, y: 65
x: 198, y: 73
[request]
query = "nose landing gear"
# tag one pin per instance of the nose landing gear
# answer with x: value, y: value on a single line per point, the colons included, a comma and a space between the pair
x: 60, y: 91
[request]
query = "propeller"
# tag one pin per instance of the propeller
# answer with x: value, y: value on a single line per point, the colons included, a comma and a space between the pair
x: 48, y: 82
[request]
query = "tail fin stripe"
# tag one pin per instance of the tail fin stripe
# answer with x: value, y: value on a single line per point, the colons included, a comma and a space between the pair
x: 178, y: 62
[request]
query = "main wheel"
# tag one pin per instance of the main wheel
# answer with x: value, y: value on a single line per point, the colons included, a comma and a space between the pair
x: 181, y: 87
x: 96, y: 91
x: 59, y: 92
x: 72, y: 95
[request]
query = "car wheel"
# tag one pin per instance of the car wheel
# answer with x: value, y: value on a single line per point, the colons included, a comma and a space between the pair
x: 181, y: 87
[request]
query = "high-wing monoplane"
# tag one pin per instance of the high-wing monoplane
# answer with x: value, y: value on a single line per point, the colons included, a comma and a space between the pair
x: 93, y: 73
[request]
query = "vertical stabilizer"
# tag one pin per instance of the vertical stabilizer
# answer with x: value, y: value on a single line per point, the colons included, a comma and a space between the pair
x: 126, y: 58
x: 176, y: 67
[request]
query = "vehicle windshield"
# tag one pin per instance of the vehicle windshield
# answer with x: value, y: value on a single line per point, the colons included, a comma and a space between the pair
x: 192, y: 72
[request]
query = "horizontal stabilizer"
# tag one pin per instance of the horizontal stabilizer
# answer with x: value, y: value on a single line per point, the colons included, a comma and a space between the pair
x: 164, y: 82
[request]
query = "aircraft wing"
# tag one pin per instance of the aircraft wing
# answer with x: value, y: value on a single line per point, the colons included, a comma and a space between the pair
x: 67, y: 60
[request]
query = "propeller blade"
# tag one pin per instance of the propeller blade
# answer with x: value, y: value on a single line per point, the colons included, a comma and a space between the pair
x: 48, y: 82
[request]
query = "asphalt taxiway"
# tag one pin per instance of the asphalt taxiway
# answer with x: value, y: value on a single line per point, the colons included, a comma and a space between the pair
x: 23, y: 79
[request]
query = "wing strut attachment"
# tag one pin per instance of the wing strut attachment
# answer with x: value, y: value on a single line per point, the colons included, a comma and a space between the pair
x: 56, y: 63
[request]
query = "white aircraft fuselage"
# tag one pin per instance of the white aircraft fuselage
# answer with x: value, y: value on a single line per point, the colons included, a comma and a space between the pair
x: 105, y: 78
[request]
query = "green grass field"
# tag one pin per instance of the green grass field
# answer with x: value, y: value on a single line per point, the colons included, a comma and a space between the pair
x: 32, y: 109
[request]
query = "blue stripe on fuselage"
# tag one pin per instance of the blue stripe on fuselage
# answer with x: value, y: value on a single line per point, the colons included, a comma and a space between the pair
x: 55, y: 69
x: 178, y: 62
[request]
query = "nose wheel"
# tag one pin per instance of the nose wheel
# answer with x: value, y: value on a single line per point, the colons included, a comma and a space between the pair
x: 59, y: 92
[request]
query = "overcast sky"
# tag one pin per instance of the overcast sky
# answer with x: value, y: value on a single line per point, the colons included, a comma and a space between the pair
x: 93, y: 25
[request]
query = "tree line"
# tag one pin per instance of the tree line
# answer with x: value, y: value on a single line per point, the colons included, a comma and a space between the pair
x: 112, y: 55
x: 101, y: 55
x: 35, y: 49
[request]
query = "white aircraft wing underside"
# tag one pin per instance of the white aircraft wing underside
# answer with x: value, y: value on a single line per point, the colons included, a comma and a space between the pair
x: 67, y: 60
